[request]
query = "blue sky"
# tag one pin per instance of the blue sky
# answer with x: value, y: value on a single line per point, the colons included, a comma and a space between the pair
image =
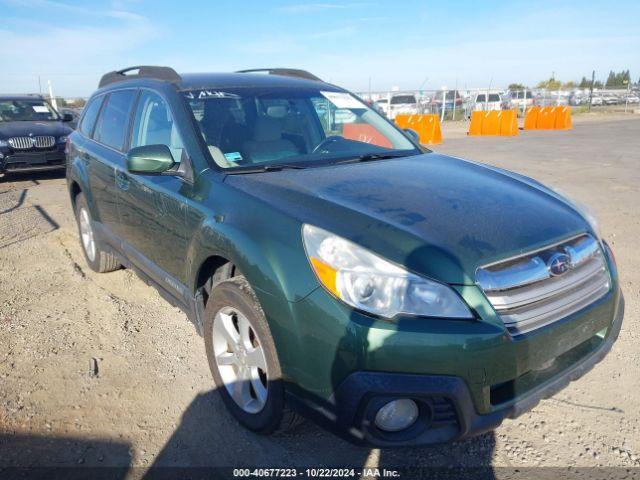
x: 392, y: 43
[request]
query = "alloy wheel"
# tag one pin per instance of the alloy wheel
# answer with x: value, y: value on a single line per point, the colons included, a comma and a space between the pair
x: 86, y: 232
x: 240, y: 359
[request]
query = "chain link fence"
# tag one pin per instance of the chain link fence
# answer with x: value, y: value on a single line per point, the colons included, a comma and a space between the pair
x: 458, y: 104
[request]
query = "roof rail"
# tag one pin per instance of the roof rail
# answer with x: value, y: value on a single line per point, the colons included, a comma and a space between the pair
x: 167, y: 74
x: 286, y: 72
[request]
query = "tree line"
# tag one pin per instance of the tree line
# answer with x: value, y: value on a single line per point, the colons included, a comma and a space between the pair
x: 614, y: 80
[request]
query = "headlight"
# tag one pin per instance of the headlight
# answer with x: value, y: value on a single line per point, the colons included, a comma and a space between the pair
x: 62, y: 139
x: 3, y: 143
x: 370, y: 283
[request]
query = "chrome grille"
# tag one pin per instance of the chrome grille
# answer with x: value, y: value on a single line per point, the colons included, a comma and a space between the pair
x: 533, y: 290
x: 26, y: 143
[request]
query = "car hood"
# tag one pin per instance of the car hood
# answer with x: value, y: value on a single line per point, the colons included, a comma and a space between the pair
x: 24, y: 129
x: 439, y: 216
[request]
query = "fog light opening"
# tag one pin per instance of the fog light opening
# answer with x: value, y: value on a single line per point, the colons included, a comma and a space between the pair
x: 397, y: 415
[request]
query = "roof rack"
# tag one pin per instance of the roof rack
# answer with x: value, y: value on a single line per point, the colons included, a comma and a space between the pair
x: 167, y: 74
x: 286, y: 72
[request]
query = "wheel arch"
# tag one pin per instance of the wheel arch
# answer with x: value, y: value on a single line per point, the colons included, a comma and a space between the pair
x: 78, y: 182
x: 74, y: 190
x: 276, y: 269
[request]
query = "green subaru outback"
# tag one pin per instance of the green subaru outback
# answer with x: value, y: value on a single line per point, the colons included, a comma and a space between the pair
x: 334, y: 267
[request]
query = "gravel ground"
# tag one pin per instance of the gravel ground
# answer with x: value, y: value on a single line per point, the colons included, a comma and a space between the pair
x: 97, y: 370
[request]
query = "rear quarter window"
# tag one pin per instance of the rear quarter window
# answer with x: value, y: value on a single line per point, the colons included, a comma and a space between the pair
x: 114, y: 119
x: 90, y: 115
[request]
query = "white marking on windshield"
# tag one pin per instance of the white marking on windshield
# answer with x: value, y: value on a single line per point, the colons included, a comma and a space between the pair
x: 191, y: 95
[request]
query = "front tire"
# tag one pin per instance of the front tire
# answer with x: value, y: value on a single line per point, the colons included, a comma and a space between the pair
x: 242, y: 358
x: 98, y: 259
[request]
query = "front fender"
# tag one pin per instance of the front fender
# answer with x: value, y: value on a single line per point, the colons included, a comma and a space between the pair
x: 270, y: 265
x: 271, y: 256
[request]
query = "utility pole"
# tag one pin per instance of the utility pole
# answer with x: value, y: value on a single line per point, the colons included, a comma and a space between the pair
x: 39, y: 85
x: 593, y: 79
x: 455, y: 97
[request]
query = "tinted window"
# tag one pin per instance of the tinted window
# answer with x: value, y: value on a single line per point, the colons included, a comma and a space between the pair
x: 154, y: 125
x: 112, y: 124
x: 520, y: 94
x: 90, y: 115
x: 493, y: 97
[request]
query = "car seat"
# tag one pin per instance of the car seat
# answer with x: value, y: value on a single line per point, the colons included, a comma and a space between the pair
x: 267, y: 143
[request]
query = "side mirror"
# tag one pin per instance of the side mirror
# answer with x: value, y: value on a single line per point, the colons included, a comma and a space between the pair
x: 67, y: 117
x: 412, y: 134
x: 149, y: 159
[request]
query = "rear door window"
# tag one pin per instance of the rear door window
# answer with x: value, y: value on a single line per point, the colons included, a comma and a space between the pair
x: 114, y: 119
x: 90, y: 115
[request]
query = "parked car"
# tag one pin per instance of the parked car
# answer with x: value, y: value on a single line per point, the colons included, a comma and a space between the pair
x: 403, y: 103
x: 519, y: 99
x: 578, y: 99
x: 552, y: 98
x: 610, y: 99
x: 339, y: 270
x: 597, y: 99
x: 491, y: 102
x: 382, y: 105
x: 32, y: 134
x: 632, y: 98
x: 451, y: 98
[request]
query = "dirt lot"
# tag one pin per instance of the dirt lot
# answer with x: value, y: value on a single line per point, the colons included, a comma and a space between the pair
x: 99, y: 370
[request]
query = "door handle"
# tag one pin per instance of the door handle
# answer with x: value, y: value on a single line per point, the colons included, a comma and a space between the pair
x: 122, y: 181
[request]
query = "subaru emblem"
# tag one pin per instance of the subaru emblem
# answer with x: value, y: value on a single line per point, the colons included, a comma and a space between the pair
x: 559, y: 264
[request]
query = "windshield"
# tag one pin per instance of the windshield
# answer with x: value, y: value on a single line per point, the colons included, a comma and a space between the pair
x: 255, y: 127
x: 522, y: 95
x: 26, y: 110
x: 398, y: 99
x: 493, y: 97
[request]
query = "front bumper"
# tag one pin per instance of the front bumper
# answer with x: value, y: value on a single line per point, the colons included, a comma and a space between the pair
x: 32, y: 160
x: 448, y: 410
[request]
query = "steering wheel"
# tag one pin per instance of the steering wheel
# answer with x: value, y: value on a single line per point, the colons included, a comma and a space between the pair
x: 326, y: 142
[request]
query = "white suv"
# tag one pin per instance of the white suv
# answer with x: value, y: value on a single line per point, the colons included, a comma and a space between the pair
x: 403, y: 103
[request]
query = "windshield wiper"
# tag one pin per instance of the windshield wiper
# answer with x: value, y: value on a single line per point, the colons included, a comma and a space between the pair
x: 267, y: 168
x: 368, y: 157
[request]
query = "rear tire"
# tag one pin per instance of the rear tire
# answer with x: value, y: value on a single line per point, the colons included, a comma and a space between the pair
x: 98, y: 259
x: 245, y: 366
